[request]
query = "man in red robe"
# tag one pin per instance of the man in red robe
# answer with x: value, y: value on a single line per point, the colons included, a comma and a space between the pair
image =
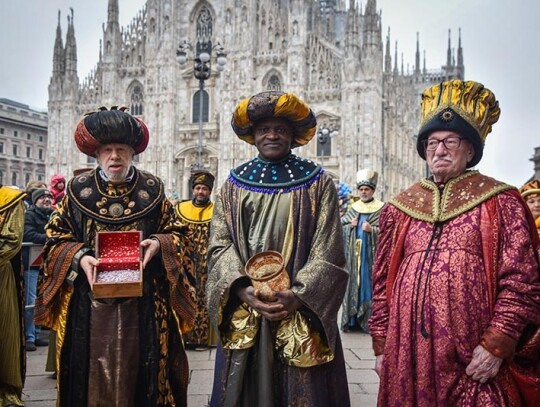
x: 456, y: 281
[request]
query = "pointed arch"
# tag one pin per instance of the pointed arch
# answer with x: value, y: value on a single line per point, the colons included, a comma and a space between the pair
x: 135, y: 95
x: 273, y: 80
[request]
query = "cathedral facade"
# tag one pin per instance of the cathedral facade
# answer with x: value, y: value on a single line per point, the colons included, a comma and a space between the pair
x: 331, y: 53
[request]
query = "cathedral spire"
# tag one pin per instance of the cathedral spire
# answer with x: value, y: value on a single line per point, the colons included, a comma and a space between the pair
x: 388, y: 57
x: 71, y: 48
x: 460, y: 53
x: 58, y: 56
x: 417, y: 59
x: 395, y: 61
x: 449, y: 52
x: 112, y: 13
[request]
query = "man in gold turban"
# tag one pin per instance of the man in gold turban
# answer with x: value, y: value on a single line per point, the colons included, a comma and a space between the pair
x: 456, y: 277
x: 117, y: 351
x: 531, y: 193
x: 285, y: 351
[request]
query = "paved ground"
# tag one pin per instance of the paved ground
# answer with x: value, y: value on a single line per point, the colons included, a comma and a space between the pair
x: 363, y: 381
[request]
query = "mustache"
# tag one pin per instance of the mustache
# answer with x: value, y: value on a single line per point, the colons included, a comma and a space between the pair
x: 436, y: 160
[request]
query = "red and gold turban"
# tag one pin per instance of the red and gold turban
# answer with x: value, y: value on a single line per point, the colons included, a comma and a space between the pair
x: 108, y: 127
x: 274, y: 104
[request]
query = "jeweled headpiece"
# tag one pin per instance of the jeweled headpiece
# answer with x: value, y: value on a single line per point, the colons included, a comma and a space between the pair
x: 367, y: 177
x: 465, y: 107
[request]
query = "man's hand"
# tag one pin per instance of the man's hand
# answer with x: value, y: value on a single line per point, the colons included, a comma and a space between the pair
x: 273, y: 311
x: 378, y: 364
x: 366, y: 227
x: 484, y: 365
x: 150, y: 248
x: 354, y: 223
x: 289, y: 301
x: 89, y: 264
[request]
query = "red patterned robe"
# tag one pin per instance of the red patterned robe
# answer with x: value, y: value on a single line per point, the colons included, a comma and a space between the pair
x: 435, y: 298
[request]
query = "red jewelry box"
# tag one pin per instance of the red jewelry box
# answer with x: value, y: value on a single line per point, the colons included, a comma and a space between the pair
x: 119, y: 273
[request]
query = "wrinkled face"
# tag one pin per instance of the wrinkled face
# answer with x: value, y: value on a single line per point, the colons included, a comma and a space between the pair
x: 115, y: 161
x: 44, y: 202
x: 273, y: 138
x: 201, y: 193
x: 447, y: 163
x: 533, y: 202
x: 365, y: 193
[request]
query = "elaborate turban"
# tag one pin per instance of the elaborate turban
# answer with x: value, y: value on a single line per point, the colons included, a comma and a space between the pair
x: 108, y: 127
x: 464, y: 107
x: 274, y: 104
x: 202, y: 177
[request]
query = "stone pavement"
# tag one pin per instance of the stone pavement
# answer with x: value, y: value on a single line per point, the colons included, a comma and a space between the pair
x: 40, y: 389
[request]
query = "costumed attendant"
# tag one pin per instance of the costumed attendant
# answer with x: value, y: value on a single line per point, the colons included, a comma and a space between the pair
x: 197, y: 214
x: 531, y: 193
x: 360, y: 231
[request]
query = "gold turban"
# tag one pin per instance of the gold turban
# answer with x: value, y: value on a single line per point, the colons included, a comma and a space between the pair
x: 274, y: 104
x: 465, y: 107
x: 530, y: 188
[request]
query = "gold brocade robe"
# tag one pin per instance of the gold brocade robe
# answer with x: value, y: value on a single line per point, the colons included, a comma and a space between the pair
x: 298, y: 361
x: 12, y: 356
x: 127, y: 351
x: 197, y: 219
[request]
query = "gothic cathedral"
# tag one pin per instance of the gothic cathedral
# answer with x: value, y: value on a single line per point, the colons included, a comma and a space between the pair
x: 328, y: 52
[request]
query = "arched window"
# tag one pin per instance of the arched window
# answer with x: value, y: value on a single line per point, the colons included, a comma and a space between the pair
x: 197, y: 106
x: 273, y: 83
x: 136, y: 97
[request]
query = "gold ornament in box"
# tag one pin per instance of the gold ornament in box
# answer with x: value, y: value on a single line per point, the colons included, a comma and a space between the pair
x: 267, y: 273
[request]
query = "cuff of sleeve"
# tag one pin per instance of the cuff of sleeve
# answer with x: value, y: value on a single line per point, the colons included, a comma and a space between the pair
x: 378, y: 344
x: 498, y: 344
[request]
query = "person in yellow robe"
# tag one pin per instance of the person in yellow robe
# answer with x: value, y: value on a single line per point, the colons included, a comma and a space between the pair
x: 12, y: 355
x: 196, y: 214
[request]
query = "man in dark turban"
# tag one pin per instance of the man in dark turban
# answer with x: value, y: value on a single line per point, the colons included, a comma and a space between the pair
x: 117, y: 351
x: 196, y: 214
x: 281, y: 349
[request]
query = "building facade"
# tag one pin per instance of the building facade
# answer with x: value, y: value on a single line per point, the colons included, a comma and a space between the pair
x: 331, y: 53
x: 23, y: 144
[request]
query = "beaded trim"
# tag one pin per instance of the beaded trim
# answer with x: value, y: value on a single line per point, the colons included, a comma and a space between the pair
x: 286, y: 175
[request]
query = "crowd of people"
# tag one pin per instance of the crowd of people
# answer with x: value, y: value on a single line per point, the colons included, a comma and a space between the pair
x: 445, y: 276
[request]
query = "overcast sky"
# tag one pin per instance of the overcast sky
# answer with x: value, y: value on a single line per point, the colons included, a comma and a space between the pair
x: 499, y: 38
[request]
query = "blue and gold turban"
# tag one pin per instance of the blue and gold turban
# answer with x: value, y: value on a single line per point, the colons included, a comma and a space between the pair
x: 282, y: 105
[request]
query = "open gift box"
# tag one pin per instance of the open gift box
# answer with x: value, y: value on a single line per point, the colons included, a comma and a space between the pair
x: 119, y: 273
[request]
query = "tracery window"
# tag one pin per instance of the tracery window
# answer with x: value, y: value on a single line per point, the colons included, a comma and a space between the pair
x: 274, y: 83
x: 136, y: 98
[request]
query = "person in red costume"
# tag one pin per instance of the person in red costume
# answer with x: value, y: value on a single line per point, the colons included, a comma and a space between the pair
x: 57, y: 188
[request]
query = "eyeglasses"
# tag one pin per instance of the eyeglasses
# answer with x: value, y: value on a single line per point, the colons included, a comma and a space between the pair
x: 263, y: 131
x: 450, y: 143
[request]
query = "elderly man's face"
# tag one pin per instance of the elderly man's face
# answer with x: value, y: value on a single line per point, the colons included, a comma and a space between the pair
x: 201, y: 194
x: 273, y: 138
x: 533, y: 202
x: 115, y: 161
x: 446, y: 163
x: 365, y: 193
